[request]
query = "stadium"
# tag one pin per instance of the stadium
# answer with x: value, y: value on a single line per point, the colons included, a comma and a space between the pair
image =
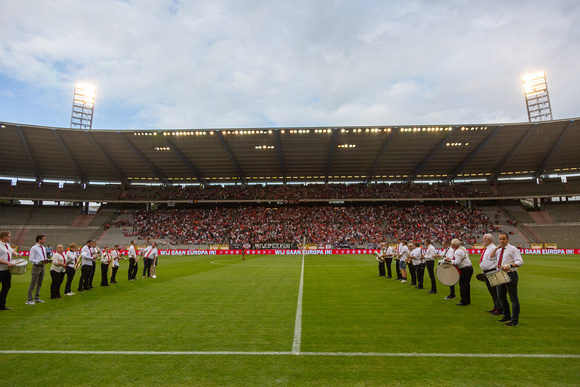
x: 284, y: 314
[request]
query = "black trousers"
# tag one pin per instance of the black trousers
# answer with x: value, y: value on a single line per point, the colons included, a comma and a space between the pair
x: 388, y: 262
x: 398, y: 269
x: 493, y: 292
x: 133, y: 266
x: 381, y: 269
x: 420, y: 271
x: 147, y: 267
x: 56, y: 283
x: 114, y: 275
x: 411, y: 270
x: 6, y: 280
x: 465, y: 284
x: 92, y: 274
x: 104, y: 270
x: 85, y: 280
x: 431, y: 269
x: 70, y: 274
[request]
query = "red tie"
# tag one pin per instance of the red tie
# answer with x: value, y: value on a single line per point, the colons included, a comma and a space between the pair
x: 482, y: 254
x: 7, y: 251
x: 500, y: 257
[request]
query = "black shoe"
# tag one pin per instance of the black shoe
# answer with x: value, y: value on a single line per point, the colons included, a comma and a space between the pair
x: 80, y: 290
x: 490, y: 311
x: 5, y: 308
x: 91, y: 287
x: 389, y: 276
x: 505, y: 319
x: 450, y: 297
x: 412, y: 284
x: 496, y: 313
x: 431, y: 292
x: 512, y: 324
x: 462, y: 304
x: 105, y: 285
x: 418, y: 287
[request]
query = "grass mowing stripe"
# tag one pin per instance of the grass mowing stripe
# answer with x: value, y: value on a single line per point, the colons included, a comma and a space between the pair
x: 370, y: 354
x: 298, y: 323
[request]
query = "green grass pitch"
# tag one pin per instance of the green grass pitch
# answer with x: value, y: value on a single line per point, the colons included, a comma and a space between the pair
x: 217, y: 304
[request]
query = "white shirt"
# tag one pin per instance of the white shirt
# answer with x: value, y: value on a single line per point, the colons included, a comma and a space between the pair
x: 403, y: 252
x: 106, y: 257
x: 460, y: 258
x: 58, y: 258
x: 389, y: 252
x: 150, y: 252
x: 430, y: 253
x: 115, y: 257
x: 87, y: 255
x: 510, y: 255
x: 6, y: 254
x: 37, y: 254
x: 71, y: 258
x: 132, y: 253
x: 487, y: 262
x: 416, y: 256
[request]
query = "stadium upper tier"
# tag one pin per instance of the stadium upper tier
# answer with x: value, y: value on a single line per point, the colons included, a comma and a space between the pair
x: 292, y: 193
x: 289, y: 155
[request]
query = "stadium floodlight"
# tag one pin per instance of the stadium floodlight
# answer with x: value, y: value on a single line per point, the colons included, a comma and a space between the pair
x: 537, y: 98
x: 83, y: 104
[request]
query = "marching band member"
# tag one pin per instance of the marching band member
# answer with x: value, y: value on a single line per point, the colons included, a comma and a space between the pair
x: 447, y: 253
x: 133, y: 262
x: 149, y: 258
x: 461, y: 260
x: 403, y: 255
x: 38, y: 259
x: 71, y: 260
x: 6, y: 254
x: 509, y: 260
x: 419, y: 264
x: 87, y: 266
x: 96, y: 252
x: 388, y: 254
x: 430, y: 263
x: 397, y: 259
x: 57, y: 272
x: 487, y: 264
x: 410, y: 265
x: 115, y: 258
x: 105, y: 262
x: 381, y: 259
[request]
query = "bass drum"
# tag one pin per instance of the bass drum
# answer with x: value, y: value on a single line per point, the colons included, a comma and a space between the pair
x: 447, y: 274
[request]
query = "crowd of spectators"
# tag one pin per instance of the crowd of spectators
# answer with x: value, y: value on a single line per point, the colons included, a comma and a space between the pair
x: 325, y: 224
x: 305, y: 192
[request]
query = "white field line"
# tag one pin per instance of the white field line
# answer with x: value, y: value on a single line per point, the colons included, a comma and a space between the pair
x: 298, y: 323
x: 275, y: 353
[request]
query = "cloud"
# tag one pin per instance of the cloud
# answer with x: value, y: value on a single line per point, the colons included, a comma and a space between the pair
x: 200, y: 64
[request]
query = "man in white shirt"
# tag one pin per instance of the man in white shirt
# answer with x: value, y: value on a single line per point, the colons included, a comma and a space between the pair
x: 388, y: 257
x: 381, y: 259
x: 87, y: 266
x: 461, y: 260
x: 105, y: 262
x: 403, y: 255
x: 487, y: 264
x: 115, y: 263
x: 430, y: 264
x: 447, y: 253
x: 397, y: 259
x: 6, y: 254
x: 418, y: 263
x: 149, y: 258
x: 133, y: 262
x: 509, y: 260
x: 38, y: 259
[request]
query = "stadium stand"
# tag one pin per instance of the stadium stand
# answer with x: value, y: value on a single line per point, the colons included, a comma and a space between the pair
x: 526, y: 189
x: 564, y: 212
x: 517, y: 212
x: 565, y: 236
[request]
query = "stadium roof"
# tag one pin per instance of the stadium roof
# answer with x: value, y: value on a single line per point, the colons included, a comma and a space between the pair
x: 276, y: 155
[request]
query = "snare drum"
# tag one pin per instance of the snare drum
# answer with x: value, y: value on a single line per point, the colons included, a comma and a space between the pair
x: 447, y: 274
x: 498, y: 277
x: 19, y: 266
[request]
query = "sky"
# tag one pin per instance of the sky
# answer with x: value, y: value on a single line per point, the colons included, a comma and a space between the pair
x: 241, y: 64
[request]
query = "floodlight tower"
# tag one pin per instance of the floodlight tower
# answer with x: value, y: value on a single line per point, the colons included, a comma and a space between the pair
x: 83, y: 104
x: 537, y: 98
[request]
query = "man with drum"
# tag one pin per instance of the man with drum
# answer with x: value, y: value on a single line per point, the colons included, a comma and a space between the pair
x: 461, y: 260
x: 509, y: 260
x: 38, y: 258
x: 6, y: 254
x: 430, y: 264
x: 488, y: 264
x: 447, y: 253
